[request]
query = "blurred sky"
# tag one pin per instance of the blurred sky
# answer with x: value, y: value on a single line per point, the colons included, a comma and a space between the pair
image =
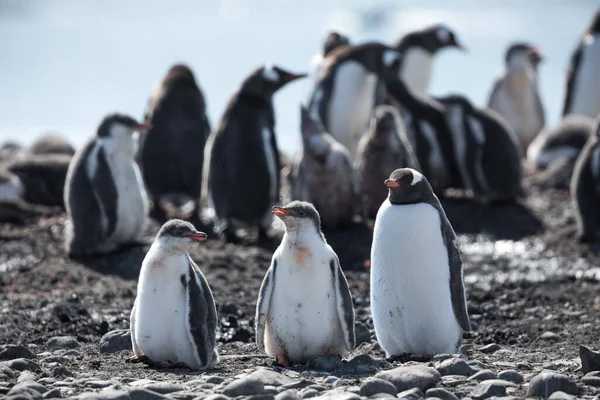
x: 66, y: 63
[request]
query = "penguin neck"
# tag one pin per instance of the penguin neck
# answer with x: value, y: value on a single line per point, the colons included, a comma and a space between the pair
x: 255, y: 100
x: 303, y: 237
x: 398, y: 90
x: 119, y: 144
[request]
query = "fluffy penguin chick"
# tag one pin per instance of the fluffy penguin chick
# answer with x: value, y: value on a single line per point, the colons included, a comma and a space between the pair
x: 417, y: 290
x: 324, y: 175
x: 304, y: 306
x: 174, y: 319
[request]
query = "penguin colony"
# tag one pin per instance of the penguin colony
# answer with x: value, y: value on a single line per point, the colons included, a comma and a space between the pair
x: 374, y: 145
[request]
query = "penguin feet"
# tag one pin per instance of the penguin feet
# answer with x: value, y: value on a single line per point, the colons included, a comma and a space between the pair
x: 139, y: 359
x: 283, y: 361
x: 405, y: 357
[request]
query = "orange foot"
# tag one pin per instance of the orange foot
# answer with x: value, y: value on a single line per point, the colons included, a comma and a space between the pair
x: 139, y: 359
x: 283, y: 361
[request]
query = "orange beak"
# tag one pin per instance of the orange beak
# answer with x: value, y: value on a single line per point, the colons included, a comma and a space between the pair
x: 143, y: 127
x: 198, y: 236
x: 391, y: 183
x: 281, y: 212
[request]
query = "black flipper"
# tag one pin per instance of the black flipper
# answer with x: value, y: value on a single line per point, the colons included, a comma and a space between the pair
x: 263, y: 304
x: 105, y: 190
x: 344, y: 304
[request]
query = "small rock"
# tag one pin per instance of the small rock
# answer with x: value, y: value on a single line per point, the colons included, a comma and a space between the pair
x: 362, y: 333
x: 269, y: 377
x: 245, y: 386
x: 550, y: 337
x: 405, y: 378
x: 483, y: 375
x: 363, y: 364
x: 12, y: 352
x: 414, y: 393
x: 546, y: 383
x: 382, y: 396
x: 27, y: 387
x: 26, y: 376
x: 560, y: 396
x: 115, y: 341
x: 330, y: 380
x: 104, y: 395
x: 62, y: 342
x: 216, y: 397
x: 214, y: 379
x: 99, y: 384
x: 62, y: 372
x: 21, y: 364
x: 164, y: 387
x: 437, y: 358
x: 308, y: 393
x: 511, y: 375
x: 144, y: 394
x: 338, y: 395
x: 454, y: 366
x: 52, y: 394
x: 440, y: 393
x: 325, y: 363
x: 490, y: 348
x: 591, y: 380
x: 590, y: 359
x: 373, y: 386
x: 287, y: 395
x: 454, y: 380
x: 490, y: 388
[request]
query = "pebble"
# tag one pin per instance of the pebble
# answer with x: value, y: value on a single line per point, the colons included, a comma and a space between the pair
x: 337, y: 395
x: 330, y: 380
x: 104, y: 395
x: 363, y: 364
x: 490, y: 348
x: 26, y: 376
x: 382, y: 396
x: 115, y: 341
x: 308, y: 393
x: 590, y: 359
x: 546, y: 383
x: 21, y: 364
x: 145, y: 394
x: 361, y: 333
x: 325, y: 363
x: 99, y: 384
x: 62, y: 372
x: 405, y: 378
x: 245, y: 386
x: 373, y: 386
x: 52, y: 394
x: 54, y: 359
x: 454, y: 380
x: 483, y: 375
x: 440, y: 393
x: 12, y: 352
x: 414, y: 393
x: 454, y: 366
x: 287, y: 395
x: 550, y: 337
x: 216, y: 396
x: 490, y: 388
x: 62, y: 342
x: 511, y: 375
x: 560, y: 396
x: 164, y: 387
x: 591, y: 380
x: 214, y: 379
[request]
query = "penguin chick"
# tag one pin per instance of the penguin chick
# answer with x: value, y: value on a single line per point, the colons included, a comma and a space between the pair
x: 174, y: 318
x: 51, y: 144
x: 417, y: 289
x: 324, y: 175
x: 304, y: 305
x: 515, y: 94
x: 333, y: 40
x: 384, y: 148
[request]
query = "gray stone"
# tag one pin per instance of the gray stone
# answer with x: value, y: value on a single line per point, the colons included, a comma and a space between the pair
x: 511, y: 375
x: 12, y: 352
x: 104, y: 395
x: 216, y: 396
x: 214, y: 379
x: 318, y: 388
x: 483, y: 375
x: 438, y: 358
x: 363, y: 364
x: 52, y: 394
x: 560, y: 396
x: 54, y: 359
x: 28, y: 387
x: 590, y: 359
x: 454, y: 380
x: 490, y: 348
x: 454, y: 366
x: 26, y: 376
x: 21, y: 364
x: 547, y: 382
x: 490, y: 388
x: 338, y: 395
x: 245, y: 386
x: 187, y: 395
x: 308, y: 393
x: 164, y: 387
x: 362, y: 333
x: 330, y: 380
x: 325, y: 363
x: 405, y: 378
x: 591, y: 381
x: 373, y: 386
x: 115, y: 341
x: 414, y: 394
x: 287, y: 395
x: 382, y: 396
x: 62, y: 372
x: 62, y: 342
x: 99, y: 384
x: 440, y: 393
x: 270, y: 377
x: 550, y: 337
x: 296, y: 385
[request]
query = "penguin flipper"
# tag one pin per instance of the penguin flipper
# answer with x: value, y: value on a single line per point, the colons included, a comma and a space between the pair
x: 263, y: 304
x: 493, y: 94
x: 201, y: 316
x: 107, y: 195
x: 586, y: 215
x: 344, y: 305
x: 570, y: 81
x: 134, y: 344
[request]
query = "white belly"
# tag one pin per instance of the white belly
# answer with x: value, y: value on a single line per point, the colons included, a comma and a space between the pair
x: 11, y: 189
x: 586, y: 95
x: 351, y: 104
x: 416, y: 70
x: 410, y: 282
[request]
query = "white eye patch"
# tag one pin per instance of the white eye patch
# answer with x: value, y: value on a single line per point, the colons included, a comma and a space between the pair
x: 443, y: 35
x: 270, y: 73
x: 390, y: 57
x: 417, y: 177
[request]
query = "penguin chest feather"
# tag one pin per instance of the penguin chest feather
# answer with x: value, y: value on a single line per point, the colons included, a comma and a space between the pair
x: 586, y: 97
x: 416, y: 70
x: 410, y: 282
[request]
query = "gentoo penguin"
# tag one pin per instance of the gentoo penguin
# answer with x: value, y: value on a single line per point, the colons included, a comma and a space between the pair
x: 104, y: 192
x: 51, y: 144
x: 418, y: 48
x: 417, y: 289
x: 582, y: 94
x: 333, y: 40
x: 241, y: 172
x: 172, y: 150
x: 515, y: 94
x: 174, y: 318
x: 384, y: 148
x: 585, y: 188
x: 486, y: 151
x: 347, y: 90
x: 304, y: 305
x: 324, y: 175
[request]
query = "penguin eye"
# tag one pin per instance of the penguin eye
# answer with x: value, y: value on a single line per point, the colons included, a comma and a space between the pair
x: 302, y: 214
x: 178, y: 232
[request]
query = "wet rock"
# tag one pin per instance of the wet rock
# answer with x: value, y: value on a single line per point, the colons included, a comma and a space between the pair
x: 560, y: 396
x: 362, y: 333
x: 115, y: 341
x: 62, y: 372
x: 164, y: 387
x: 405, y: 378
x: 414, y: 394
x: 13, y: 352
x: 373, y: 386
x: 245, y: 386
x: 590, y: 359
x: 454, y: 366
x: 490, y: 348
x: 483, y: 375
x: 62, y: 342
x: 547, y: 382
x: 490, y: 388
x: 325, y: 363
x: 511, y: 375
x: 440, y: 393
x: 591, y: 380
x: 287, y: 395
x: 21, y: 364
x: 52, y: 394
x: 550, y: 337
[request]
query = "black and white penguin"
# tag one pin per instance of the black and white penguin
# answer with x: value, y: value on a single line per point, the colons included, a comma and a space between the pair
x: 347, y: 91
x: 418, y: 49
x: 487, y: 152
x: 582, y: 94
x: 585, y: 188
x: 304, y: 306
x: 324, y: 175
x: 384, y: 148
x: 241, y: 173
x: 417, y: 291
x: 174, y: 318
x: 333, y: 39
x: 104, y: 191
x: 172, y: 151
x: 515, y: 93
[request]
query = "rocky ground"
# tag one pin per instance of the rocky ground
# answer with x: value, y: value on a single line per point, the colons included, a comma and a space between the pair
x: 533, y: 297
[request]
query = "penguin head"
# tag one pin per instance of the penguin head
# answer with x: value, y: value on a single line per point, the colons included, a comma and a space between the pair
x: 375, y: 57
x: 385, y: 120
x: 179, y: 75
x: 314, y: 136
x: 298, y: 215
x: 408, y: 186
x: 430, y: 39
x: 119, y: 126
x: 333, y: 40
x: 519, y: 55
x: 179, y: 235
x: 266, y: 80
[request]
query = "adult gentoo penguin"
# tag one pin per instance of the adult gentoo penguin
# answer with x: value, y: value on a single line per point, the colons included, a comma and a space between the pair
x: 333, y: 39
x: 104, y: 192
x: 418, y: 48
x: 417, y: 290
x: 172, y: 150
x: 487, y: 151
x: 384, y: 148
x: 304, y: 305
x: 241, y: 173
x: 174, y: 318
x: 515, y: 94
x: 323, y: 174
x: 582, y: 94
x: 347, y: 90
